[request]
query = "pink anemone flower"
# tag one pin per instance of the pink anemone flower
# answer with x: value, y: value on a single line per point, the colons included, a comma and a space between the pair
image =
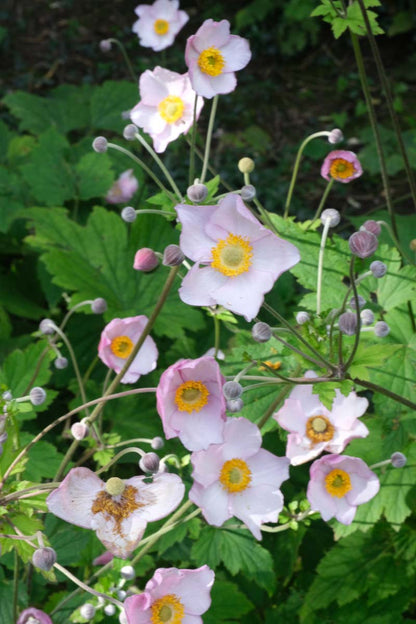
x: 191, y: 404
x: 33, y: 616
x: 166, y: 107
x: 238, y: 478
x: 117, y: 342
x: 213, y: 55
x: 342, y: 166
x: 338, y: 485
x: 241, y: 259
x: 123, y: 188
x: 314, y: 428
x: 159, y: 23
x: 172, y: 596
x: 117, y: 510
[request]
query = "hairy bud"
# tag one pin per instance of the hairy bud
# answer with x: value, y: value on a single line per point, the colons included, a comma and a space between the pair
x: 302, y: 317
x: 128, y: 214
x: 61, y: 363
x: 79, y: 430
x: 363, y: 243
x: 109, y: 609
x: 235, y: 405
x: 127, y: 572
x: 47, y: 326
x: 381, y: 329
x: 150, y: 463
x: 246, y: 165
x: 87, y: 611
x: 99, y: 305
x: 232, y: 389
x: 145, y: 260
x: 378, y: 269
x: 105, y: 45
x: 37, y: 395
x: 197, y: 193
x: 398, y: 460
x: 367, y: 316
x: 331, y: 215
x: 348, y: 323
x: 248, y: 192
x: 361, y: 302
x: 7, y: 395
x: 372, y: 226
x: 100, y: 144
x: 173, y: 256
x: 157, y: 443
x: 44, y: 558
x: 261, y: 332
x: 335, y: 136
x: 129, y: 132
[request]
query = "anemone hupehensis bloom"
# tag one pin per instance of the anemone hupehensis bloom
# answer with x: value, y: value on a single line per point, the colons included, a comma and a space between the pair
x: 159, y: 23
x: 342, y: 166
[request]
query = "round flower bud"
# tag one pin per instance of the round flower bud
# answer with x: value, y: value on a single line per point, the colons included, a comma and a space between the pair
x: 37, y: 395
x: 363, y: 243
x: 44, y: 558
x: 412, y: 244
x: 149, y: 463
x: 381, y: 329
x: 128, y: 214
x: 121, y: 594
x: 173, y: 256
x: 302, y: 317
x: 248, y: 192
x: 232, y: 389
x: 378, y: 269
x: 122, y: 618
x: 372, y: 226
x: 235, y: 405
x: 157, y: 443
x: 100, y: 144
x: 87, y: 611
x: 33, y: 616
x: 335, y: 136
x: 197, y: 193
x: 47, y: 326
x: 7, y: 396
x: 61, y: 363
x: 361, y: 302
x: 246, y: 165
x: 145, y: 260
x: 109, y: 609
x: 129, y: 132
x: 127, y: 572
x: 261, y: 332
x: 105, y: 45
x: 398, y: 460
x: 367, y: 316
x: 331, y: 215
x: 80, y: 430
x: 348, y: 323
x: 99, y: 305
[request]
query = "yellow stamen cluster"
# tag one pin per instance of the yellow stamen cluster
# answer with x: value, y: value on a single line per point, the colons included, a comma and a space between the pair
x: 232, y: 255
x: 341, y: 169
x: 191, y: 396
x: 161, y: 27
x: 171, y: 108
x: 119, y: 509
x: 122, y: 346
x: 338, y: 483
x: 269, y: 364
x: 235, y: 475
x: 319, y: 429
x: 211, y: 62
x: 167, y: 610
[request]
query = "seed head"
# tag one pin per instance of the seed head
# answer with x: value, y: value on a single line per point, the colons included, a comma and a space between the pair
x: 100, y: 144
x: 246, y: 165
x: 261, y: 332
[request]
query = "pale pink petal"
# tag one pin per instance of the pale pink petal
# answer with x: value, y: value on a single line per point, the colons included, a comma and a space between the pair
x: 345, y: 512
x: 346, y: 409
x: 213, y: 501
x: 242, y: 438
x: 232, y: 216
x: 200, y: 284
x: 208, y: 464
x: 267, y: 469
x: 194, y: 241
x: 153, y: 87
x: 73, y: 499
x: 244, y: 294
x: 291, y: 416
x: 274, y: 254
x: 199, y: 429
x: 211, y: 34
x: 363, y: 487
x: 257, y: 505
x: 301, y: 450
x: 137, y: 608
x: 236, y: 53
x: 201, y: 82
x: 159, y: 498
x: 119, y: 540
x: 223, y: 84
x: 194, y: 589
x: 321, y: 500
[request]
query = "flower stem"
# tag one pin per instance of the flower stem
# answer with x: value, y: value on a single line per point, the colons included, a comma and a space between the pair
x: 327, y: 225
x: 159, y: 162
x: 382, y: 390
x: 217, y: 330
x: 357, y: 310
x: 74, y: 364
x: 209, y: 138
x: 193, y: 145
x: 321, y: 204
x: 130, y: 449
x: 272, y: 407
x: 126, y: 58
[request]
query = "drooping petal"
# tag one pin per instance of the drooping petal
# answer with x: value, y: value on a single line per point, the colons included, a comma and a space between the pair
x: 213, y: 501
x: 158, y: 498
x: 72, y: 500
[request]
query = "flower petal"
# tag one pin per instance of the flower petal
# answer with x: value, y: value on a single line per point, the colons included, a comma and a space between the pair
x: 73, y: 499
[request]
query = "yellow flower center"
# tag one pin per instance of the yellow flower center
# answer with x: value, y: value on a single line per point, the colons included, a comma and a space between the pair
x: 171, y: 108
x: 269, y: 364
x: 338, y: 483
x: 167, y: 610
x: 161, y: 27
x: 191, y: 396
x: 235, y: 475
x: 211, y: 62
x: 319, y: 429
x: 341, y: 169
x: 118, y: 508
x: 122, y: 346
x: 232, y: 256
x: 115, y: 486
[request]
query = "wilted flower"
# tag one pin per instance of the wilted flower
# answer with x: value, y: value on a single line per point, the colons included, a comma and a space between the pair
x: 342, y: 166
x: 32, y: 615
x: 338, y: 485
x: 238, y: 478
x: 166, y: 108
x: 172, y: 596
x: 314, y: 428
x: 118, y: 511
x: 241, y: 259
x: 123, y: 189
x: 213, y: 55
x: 159, y: 23
x: 117, y: 342
x: 191, y: 404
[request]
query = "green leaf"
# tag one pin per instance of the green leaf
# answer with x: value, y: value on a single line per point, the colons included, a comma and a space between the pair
x: 94, y: 175
x: 109, y: 101
x: 228, y: 603
x: 19, y: 366
x: 370, y: 356
x: 32, y: 110
x: 37, y: 468
x: 339, y: 25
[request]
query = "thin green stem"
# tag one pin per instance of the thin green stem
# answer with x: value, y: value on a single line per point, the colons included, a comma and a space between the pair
x: 298, y: 351
x: 321, y: 204
x: 273, y: 406
x: 209, y: 138
x: 193, y: 145
x: 357, y: 310
x: 266, y: 218
x: 131, y: 449
x: 74, y: 364
x: 161, y: 165
x: 126, y: 58
x: 163, y: 213
x: 217, y: 330
x: 376, y: 388
x: 396, y: 242
x: 15, y: 585
x: 324, y: 236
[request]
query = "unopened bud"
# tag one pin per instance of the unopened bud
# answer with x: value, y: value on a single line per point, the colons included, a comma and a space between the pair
x: 105, y: 45
x: 127, y: 572
x: 261, y: 332
x: 145, y: 260
x: 361, y: 302
x: 398, y: 460
x: 348, y: 323
x: 235, y: 405
x: 7, y: 396
x: 372, y: 226
x: 367, y: 316
x: 79, y: 430
x: 232, y: 389
x: 381, y: 329
x: 61, y: 363
x: 363, y: 243
x: 44, y: 558
x: 302, y: 317
x: 331, y: 215
x: 33, y: 616
x: 47, y: 326
x: 121, y: 594
x: 173, y: 256
x: 197, y: 193
x: 109, y: 609
x: 129, y: 132
x: 157, y: 443
x: 412, y: 244
x: 248, y: 192
x: 150, y: 463
x: 87, y: 611
x: 122, y: 617
x: 128, y: 214
x: 378, y: 269
x: 37, y: 395
x: 99, y: 305
x: 246, y: 165
x: 335, y: 136
x: 100, y: 144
